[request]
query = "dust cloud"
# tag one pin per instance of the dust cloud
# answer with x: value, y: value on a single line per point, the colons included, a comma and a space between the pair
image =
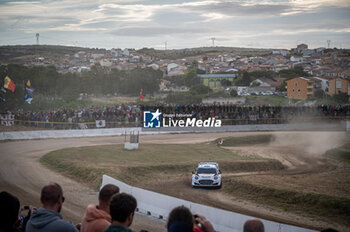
x: 314, y: 143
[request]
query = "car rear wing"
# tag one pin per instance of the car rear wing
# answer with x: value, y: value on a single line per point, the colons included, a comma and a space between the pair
x: 209, y: 163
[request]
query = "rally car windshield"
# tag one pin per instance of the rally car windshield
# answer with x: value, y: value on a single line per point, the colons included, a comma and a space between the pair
x: 206, y: 171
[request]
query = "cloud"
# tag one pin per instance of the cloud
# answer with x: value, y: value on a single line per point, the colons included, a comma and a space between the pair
x: 234, y: 9
x: 160, y: 31
x: 186, y: 22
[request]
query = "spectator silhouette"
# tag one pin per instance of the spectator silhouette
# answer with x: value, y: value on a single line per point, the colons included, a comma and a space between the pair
x: 122, y: 209
x: 8, y: 212
x: 48, y: 218
x: 97, y: 217
x: 181, y: 220
x: 253, y: 225
x: 329, y: 230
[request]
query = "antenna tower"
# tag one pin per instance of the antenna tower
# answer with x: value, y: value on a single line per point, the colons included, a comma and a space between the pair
x: 329, y: 43
x: 166, y: 45
x: 213, y: 40
x: 37, y: 38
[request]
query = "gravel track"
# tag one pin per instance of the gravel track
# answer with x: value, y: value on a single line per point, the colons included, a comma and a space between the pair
x: 22, y: 174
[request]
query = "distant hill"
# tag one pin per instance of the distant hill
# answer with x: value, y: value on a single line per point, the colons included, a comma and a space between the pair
x: 11, y: 53
x: 188, y: 52
x: 8, y: 53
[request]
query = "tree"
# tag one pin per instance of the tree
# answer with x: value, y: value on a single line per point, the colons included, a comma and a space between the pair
x: 226, y: 83
x: 282, y: 87
x: 190, y: 77
x: 341, y: 97
x: 254, y: 83
x: 297, y: 71
x: 146, y: 79
x: 57, y: 89
x: 319, y: 93
x: 246, y: 79
x: 200, y: 89
x: 233, y: 93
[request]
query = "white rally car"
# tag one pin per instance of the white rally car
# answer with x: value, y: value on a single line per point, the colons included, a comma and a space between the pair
x: 207, y: 174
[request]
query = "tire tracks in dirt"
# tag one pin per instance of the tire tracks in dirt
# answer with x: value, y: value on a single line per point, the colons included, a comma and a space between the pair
x: 22, y: 174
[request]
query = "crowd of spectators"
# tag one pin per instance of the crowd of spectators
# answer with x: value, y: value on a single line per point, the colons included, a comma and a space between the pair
x: 132, y: 115
x: 117, y: 116
x: 244, y: 114
x: 114, y: 213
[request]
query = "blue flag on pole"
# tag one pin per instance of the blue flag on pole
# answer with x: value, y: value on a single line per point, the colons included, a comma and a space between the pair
x: 29, y: 90
x: 28, y: 98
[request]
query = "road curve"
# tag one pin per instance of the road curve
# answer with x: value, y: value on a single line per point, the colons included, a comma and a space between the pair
x: 22, y: 174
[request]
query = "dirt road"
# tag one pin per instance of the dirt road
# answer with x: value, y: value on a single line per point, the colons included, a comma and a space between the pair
x: 23, y: 175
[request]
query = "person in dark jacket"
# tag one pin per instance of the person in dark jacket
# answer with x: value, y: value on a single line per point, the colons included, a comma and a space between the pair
x: 48, y: 218
x: 122, y: 210
x: 9, y: 209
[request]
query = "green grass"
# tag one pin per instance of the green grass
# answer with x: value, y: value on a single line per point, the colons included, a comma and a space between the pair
x: 304, y: 203
x: 245, y: 140
x: 342, y: 153
x: 87, y: 164
x: 157, y: 162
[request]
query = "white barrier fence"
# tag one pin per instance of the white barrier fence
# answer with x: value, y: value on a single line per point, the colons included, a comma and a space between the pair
x: 47, y: 134
x: 160, y: 205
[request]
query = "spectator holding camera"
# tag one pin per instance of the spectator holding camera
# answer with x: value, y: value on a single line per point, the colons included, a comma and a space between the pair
x: 48, y: 218
x: 181, y: 220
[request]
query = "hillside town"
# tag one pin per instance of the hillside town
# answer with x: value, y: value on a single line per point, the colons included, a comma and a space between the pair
x: 328, y: 69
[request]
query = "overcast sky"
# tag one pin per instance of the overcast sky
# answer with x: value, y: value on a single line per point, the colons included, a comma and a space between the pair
x: 179, y: 23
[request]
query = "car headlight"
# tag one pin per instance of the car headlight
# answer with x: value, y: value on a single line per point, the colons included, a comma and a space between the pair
x: 215, y: 177
x: 196, y: 177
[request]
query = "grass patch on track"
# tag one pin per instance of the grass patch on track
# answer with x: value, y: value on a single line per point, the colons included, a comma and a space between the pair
x: 161, y: 162
x: 342, y: 153
x: 305, y: 203
x: 88, y: 164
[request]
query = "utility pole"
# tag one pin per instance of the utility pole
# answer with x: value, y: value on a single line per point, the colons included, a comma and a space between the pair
x: 213, y: 41
x: 37, y: 38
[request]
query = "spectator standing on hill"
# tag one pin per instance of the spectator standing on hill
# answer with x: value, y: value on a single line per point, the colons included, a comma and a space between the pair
x: 97, y: 217
x: 48, y: 218
x: 253, y: 225
x: 122, y: 209
x: 9, y: 209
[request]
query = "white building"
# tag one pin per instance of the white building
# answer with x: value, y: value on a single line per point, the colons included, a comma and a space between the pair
x: 154, y: 66
x: 296, y: 59
x: 324, y: 83
x: 126, y: 52
x: 279, y: 52
x: 97, y: 56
